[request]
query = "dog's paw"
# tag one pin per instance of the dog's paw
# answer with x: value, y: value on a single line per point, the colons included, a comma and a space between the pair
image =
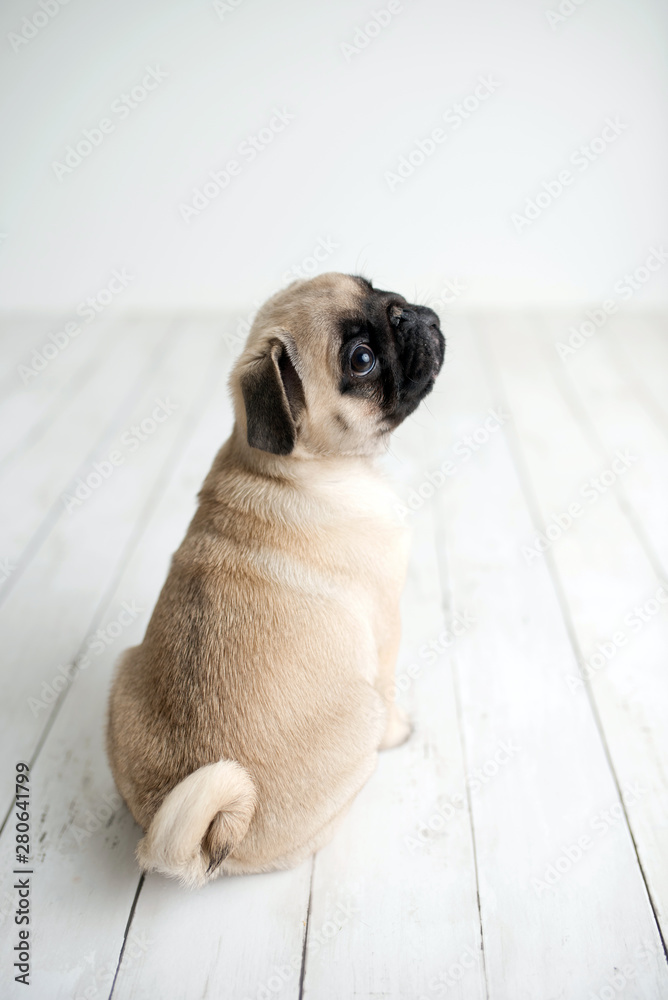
x: 397, y: 729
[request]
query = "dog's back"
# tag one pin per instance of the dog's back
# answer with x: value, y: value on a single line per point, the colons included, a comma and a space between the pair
x: 259, y: 654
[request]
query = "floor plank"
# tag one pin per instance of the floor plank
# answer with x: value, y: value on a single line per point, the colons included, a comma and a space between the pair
x: 606, y: 579
x: 402, y: 861
x: 564, y: 937
x: 78, y: 940
x: 20, y: 331
x: 613, y: 413
x: 251, y: 930
x: 455, y: 872
x: 34, y: 485
x: 66, y: 586
x: 643, y: 360
x: 28, y: 407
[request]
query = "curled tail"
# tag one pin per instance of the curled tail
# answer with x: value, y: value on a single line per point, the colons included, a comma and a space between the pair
x: 199, y: 823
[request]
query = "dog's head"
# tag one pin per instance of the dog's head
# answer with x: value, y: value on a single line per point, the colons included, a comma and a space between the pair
x: 332, y: 366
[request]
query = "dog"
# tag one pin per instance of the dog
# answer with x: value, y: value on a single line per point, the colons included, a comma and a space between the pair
x: 251, y: 715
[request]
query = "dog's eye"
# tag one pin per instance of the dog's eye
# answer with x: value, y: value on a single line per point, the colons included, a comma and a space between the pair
x: 362, y: 360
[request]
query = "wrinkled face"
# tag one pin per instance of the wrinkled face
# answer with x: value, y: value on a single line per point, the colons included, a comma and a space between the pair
x: 333, y: 365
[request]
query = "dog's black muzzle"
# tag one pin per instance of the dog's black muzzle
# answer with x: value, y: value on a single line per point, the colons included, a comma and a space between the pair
x: 420, y: 349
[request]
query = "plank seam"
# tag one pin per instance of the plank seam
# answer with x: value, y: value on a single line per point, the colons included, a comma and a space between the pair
x: 302, y: 971
x: 446, y: 600
x: 128, y: 925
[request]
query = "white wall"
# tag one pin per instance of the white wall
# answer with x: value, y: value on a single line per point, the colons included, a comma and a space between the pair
x: 323, y: 177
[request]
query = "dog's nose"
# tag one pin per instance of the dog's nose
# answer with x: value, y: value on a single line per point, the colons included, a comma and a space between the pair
x: 433, y: 324
x: 429, y: 317
x: 419, y: 339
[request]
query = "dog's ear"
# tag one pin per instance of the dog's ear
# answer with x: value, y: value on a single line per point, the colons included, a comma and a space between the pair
x: 274, y: 400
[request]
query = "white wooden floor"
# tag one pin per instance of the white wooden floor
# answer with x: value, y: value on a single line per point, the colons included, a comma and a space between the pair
x: 517, y: 846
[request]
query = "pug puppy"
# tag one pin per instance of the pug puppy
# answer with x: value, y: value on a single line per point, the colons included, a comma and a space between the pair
x: 251, y: 715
